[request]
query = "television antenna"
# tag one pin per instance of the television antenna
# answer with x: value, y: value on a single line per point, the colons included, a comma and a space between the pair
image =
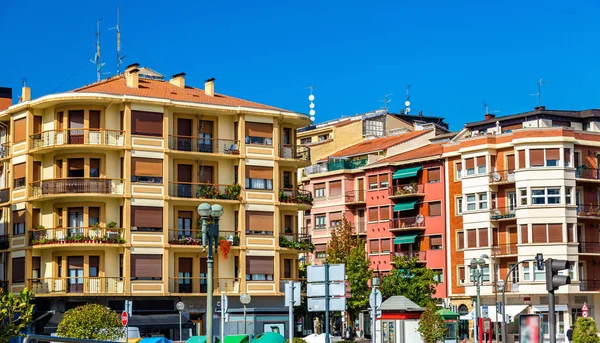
x: 386, y: 100
x: 539, y: 92
x: 99, y: 64
x: 118, y: 29
x: 487, y: 109
x: 407, y: 99
x: 311, y: 97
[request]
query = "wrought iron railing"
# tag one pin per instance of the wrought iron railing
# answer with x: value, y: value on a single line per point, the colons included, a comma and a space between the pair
x: 588, y: 247
x: 72, y: 235
x: 199, y: 285
x: 295, y: 196
x: 355, y: 196
x: 501, y: 176
x: 296, y: 152
x: 499, y: 213
x: 297, y: 241
x: 204, y: 191
x: 583, y: 172
x: 194, y: 237
x: 76, y: 185
x: 588, y: 211
x: 81, y: 284
x: 589, y: 285
x: 407, y: 189
x: 204, y: 145
x: 85, y: 136
x: 408, y: 222
x: 506, y: 249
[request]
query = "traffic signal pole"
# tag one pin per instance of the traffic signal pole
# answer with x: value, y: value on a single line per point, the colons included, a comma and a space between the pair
x: 552, y: 316
x: 553, y: 281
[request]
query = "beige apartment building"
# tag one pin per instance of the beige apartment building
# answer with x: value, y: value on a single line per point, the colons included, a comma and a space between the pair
x: 100, y: 187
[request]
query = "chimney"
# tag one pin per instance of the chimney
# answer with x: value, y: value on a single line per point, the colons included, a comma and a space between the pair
x: 25, y: 93
x: 489, y: 116
x: 131, y: 75
x: 5, y: 98
x: 540, y: 108
x: 209, y: 87
x: 178, y: 80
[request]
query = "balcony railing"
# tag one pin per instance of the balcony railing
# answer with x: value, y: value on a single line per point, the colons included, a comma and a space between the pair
x: 204, y: 191
x: 500, y: 213
x: 589, y: 285
x: 4, y: 195
x: 315, y: 169
x: 84, y: 136
x: 194, y: 237
x: 360, y: 227
x: 588, y: 247
x: 295, y: 152
x: 76, y: 186
x: 284, y: 281
x: 506, y: 249
x: 584, y: 172
x: 297, y: 241
x: 295, y: 196
x: 4, y: 150
x: 346, y: 164
x: 408, y: 222
x: 502, y: 176
x: 204, y: 145
x: 4, y: 242
x: 420, y: 255
x: 200, y: 285
x: 407, y: 189
x: 355, y: 196
x: 72, y: 235
x: 588, y: 211
x: 83, y: 285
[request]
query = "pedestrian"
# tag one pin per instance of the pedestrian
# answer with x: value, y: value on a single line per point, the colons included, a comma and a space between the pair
x: 570, y: 334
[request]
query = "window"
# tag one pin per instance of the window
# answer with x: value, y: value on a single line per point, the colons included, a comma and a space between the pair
x: 470, y: 166
x: 374, y: 246
x: 35, y: 267
x: 547, y: 233
x: 94, y: 266
x: 373, y: 127
x: 146, y: 267
x: 526, y: 272
x: 18, y: 220
x: 461, y: 275
x: 438, y: 275
x: 435, y: 209
x: 184, y: 224
x: 373, y: 214
x: 259, y: 178
x: 435, y: 242
x: 522, y: 164
x: 483, y: 240
x: 543, y: 196
x: 94, y: 167
x: 320, y: 222
x: 18, y: 270
x: 567, y: 157
x: 287, y: 268
x: 259, y: 223
x: 320, y: 250
x: 146, y: 170
x: 471, y: 238
x: 471, y: 205
x: 539, y: 275
x: 485, y: 269
x: 384, y: 213
x: 552, y: 157
x: 523, y: 196
x: 146, y: 123
x: 335, y: 219
x: 307, y: 140
x: 19, y: 172
x: 482, y: 201
x: 481, y: 165
x: 335, y: 188
x: 524, y: 234
x: 536, y: 157
x: 259, y: 268
x: 146, y: 218
x: 320, y: 190
x: 373, y: 182
x: 458, y: 170
x: 322, y: 138
x: 460, y: 240
x: 259, y: 133
x: 93, y: 216
x: 385, y: 246
x: 433, y: 175
x: 384, y: 181
x: 459, y: 205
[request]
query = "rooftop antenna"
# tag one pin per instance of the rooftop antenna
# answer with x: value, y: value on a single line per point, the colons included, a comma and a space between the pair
x: 311, y: 97
x: 487, y: 109
x: 539, y: 92
x: 386, y: 101
x: 99, y: 64
x: 407, y: 100
x: 118, y: 28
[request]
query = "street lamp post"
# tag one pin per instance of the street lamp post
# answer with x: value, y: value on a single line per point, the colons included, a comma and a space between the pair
x: 180, y: 306
x: 210, y: 233
x: 245, y: 300
x: 375, y: 283
x: 477, y: 277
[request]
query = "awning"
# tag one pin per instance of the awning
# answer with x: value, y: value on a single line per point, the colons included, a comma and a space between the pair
x: 544, y: 308
x: 407, y: 172
x: 511, y: 310
x: 406, y: 238
x: 405, y: 205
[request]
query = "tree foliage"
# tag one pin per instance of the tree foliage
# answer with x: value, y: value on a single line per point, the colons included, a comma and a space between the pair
x: 431, y: 326
x: 585, y: 331
x: 91, y: 321
x: 346, y: 247
x: 15, y: 314
x: 410, y: 279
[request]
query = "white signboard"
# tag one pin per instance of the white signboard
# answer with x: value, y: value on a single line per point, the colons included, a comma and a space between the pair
x: 337, y: 272
x: 375, y: 298
x: 318, y: 304
x: 288, y: 292
x: 336, y: 289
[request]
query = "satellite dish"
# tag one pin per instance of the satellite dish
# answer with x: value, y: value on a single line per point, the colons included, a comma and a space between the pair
x: 312, y: 105
x: 311, y: 97
x: 407, y: 103
x: 497, y: 177
x: 407, y: 109
x: 420, y: 219
x: 312, y: 112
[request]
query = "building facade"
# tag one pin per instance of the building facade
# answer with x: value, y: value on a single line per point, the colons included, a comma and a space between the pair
x: 100, y: 187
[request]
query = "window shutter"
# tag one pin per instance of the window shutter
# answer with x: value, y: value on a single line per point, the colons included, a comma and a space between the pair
x: 317, y: 186
x: 205, y: 175
x: 373, y: 216
x: 384, y: 178
x: 19, y: 170
x: 458, y: 166
x: 146, y: 123
x: 524, y: 234
x: 384, y: 213
x: 260, y: 221
x: 570, y: 233
x: 372, y: 179
x: 20, y: 130
x: 205, y: 127
x: 538, y: 233
x: 435, y: 240
x: 461, y: 273
x: 555, y: 233
x: 18, y: 217
x: 460, y: 240
x: 94, y: 212
x: 435, y: 208
x: 522, y: 159
x: 335, y: 216
x: 18, y: 270
x: 536, y: 157
x: 481, y: 161
x: 470, y: 163
x: 553, y: 154
x: 510, y: 163
x: 374, y: 246
x: 147, y: 217
x: 320, y: 248
x: 184, y: 173
x: 146, y: 167
x: 185, y: 264
x: 37, y: 124
x: 483, y: 237
x: 259, y: 265
x: 94, y: 119
x: 254, y: 172
x: 433, y: 174
x: 146, y: 266
x: 335, y: 188
x: 76, y: 164
x: 385, y: 245
x: 263, y: 130
x: 471, y: 238
x: 567, y: 156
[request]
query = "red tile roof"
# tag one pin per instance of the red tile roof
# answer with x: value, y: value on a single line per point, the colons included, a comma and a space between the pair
x: 431, y: 150
x: 165, y: 90
x: 377, y: 144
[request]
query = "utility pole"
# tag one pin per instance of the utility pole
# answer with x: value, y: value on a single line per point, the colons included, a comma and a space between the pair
x: 118, y: 30
x: 99, y: 64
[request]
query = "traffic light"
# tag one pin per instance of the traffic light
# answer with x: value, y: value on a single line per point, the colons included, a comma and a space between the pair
x: 553, y: 280
x: 539, y: 261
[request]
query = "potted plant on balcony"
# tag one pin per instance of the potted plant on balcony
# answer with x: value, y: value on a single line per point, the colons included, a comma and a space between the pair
x: 224, y: 246
x: 39, y: 232
x: 206, y: 191
x: 111, y: 230
x: 232, y: 192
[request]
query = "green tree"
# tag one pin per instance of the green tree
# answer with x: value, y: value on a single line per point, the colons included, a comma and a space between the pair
x: 431, y: 325
x: 585, y: 331
x: 91, y: 321
x: 410, y: 279
x: 346, y: 247
x: 15, y: 314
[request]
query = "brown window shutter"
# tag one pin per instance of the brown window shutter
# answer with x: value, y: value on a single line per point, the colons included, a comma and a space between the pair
x: 495, y: 236
x: 576, y: 160
x: 320, y: 247
x: 76, y: 119
x: 36, y: 262
x: 493, y: 161
x: 94, y: 212
x: 184, y: 214
x: 470, y: 163
x: 567, y: 156
x: 536, y: 157
x: 19, y: 170
x: 259, y: 265
x: 435, y: 240
x: 384, y: 213
x: 460, y: 240
x: 374, y: 246
x: 553, y: 154
x: 524, y: 234
x: 435, y: 208
x: 458, y: 166
x: 184, y: 173
x: 372, y: 179
x: 254, y: 172
x: 483, y: 237
x: 471, y: 238
x: 18, y: 217
x: 510, y: 163
x: 146, y: 266
x: 94, y: 119
x: 555, y: 233
x: 75, y: 262
x: 206, y: 174
x: 481, y: 161
x: 433, y: 174
x: 185, y: 264
x: 317, y: 186
x: 205, y: 127
x: 146, y: 216
x: 37, y: 124
x: 373, y: 215
x: 18, y: 270
x: 35, y: 218
x: 335, y: 216
x: 461, y: 273
x: 385, y: 245
x: 335, y: 188
x: 76, y: 163
x: 20, y: 130
x: 287, y: 268
x: 570, y: 234
x: 384, y: 178
x: 259, y: 130
x: 538, y: 233
x: 146, y: 167
x: 37, y: 170
x: 260, y: 221
x: 522, y: 159
x: 146, y: 123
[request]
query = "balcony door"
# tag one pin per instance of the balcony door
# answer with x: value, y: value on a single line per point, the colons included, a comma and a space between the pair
x: 361, y: 189
x: 184, y: 134
x: 184, y: 179
x: 76, y: 132
x: 203, y: 275
x: 76, y: 167
x: 184, y: 224
x: 512, y: 201
x: 75, y: 274
x: 184, y: 277
x: 205, y: 134
x: 75, y: 221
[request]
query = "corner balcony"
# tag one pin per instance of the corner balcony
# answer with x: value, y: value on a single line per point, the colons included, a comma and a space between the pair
x: 420, y: 255
x: 408, y: 223
x: 588, y: 212
x: 503, y: 214
x: 294, y: 155
x: 589, y: 285
x: 508, y: 249
x: 78, y: 137
x: 49, y: 237
x: 589, y: 247
x: 407, y: 190
x: 502, y: 177
x: 189, y: 237
x: 209, y: 191
x: 355, y: 198
x: 584, y: 173
x: 296, y: 197
x: 296, y: 241
x: 207, y: 147
x: 75, y: 186
x: 76, y: 286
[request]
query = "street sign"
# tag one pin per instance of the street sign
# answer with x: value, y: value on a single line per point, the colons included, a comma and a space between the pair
x: 124, y: 318
x: 584, y: 310
x: 129, y: 307
x: 297, y: 299
x: 375, y: 298
x: 318, y: 304
x: 337, y: 272
x: 224, y: 303
x: 485, y: 311
x: 336, y: 289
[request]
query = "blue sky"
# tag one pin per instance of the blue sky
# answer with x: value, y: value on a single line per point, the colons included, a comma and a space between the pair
x: 456, y: 54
